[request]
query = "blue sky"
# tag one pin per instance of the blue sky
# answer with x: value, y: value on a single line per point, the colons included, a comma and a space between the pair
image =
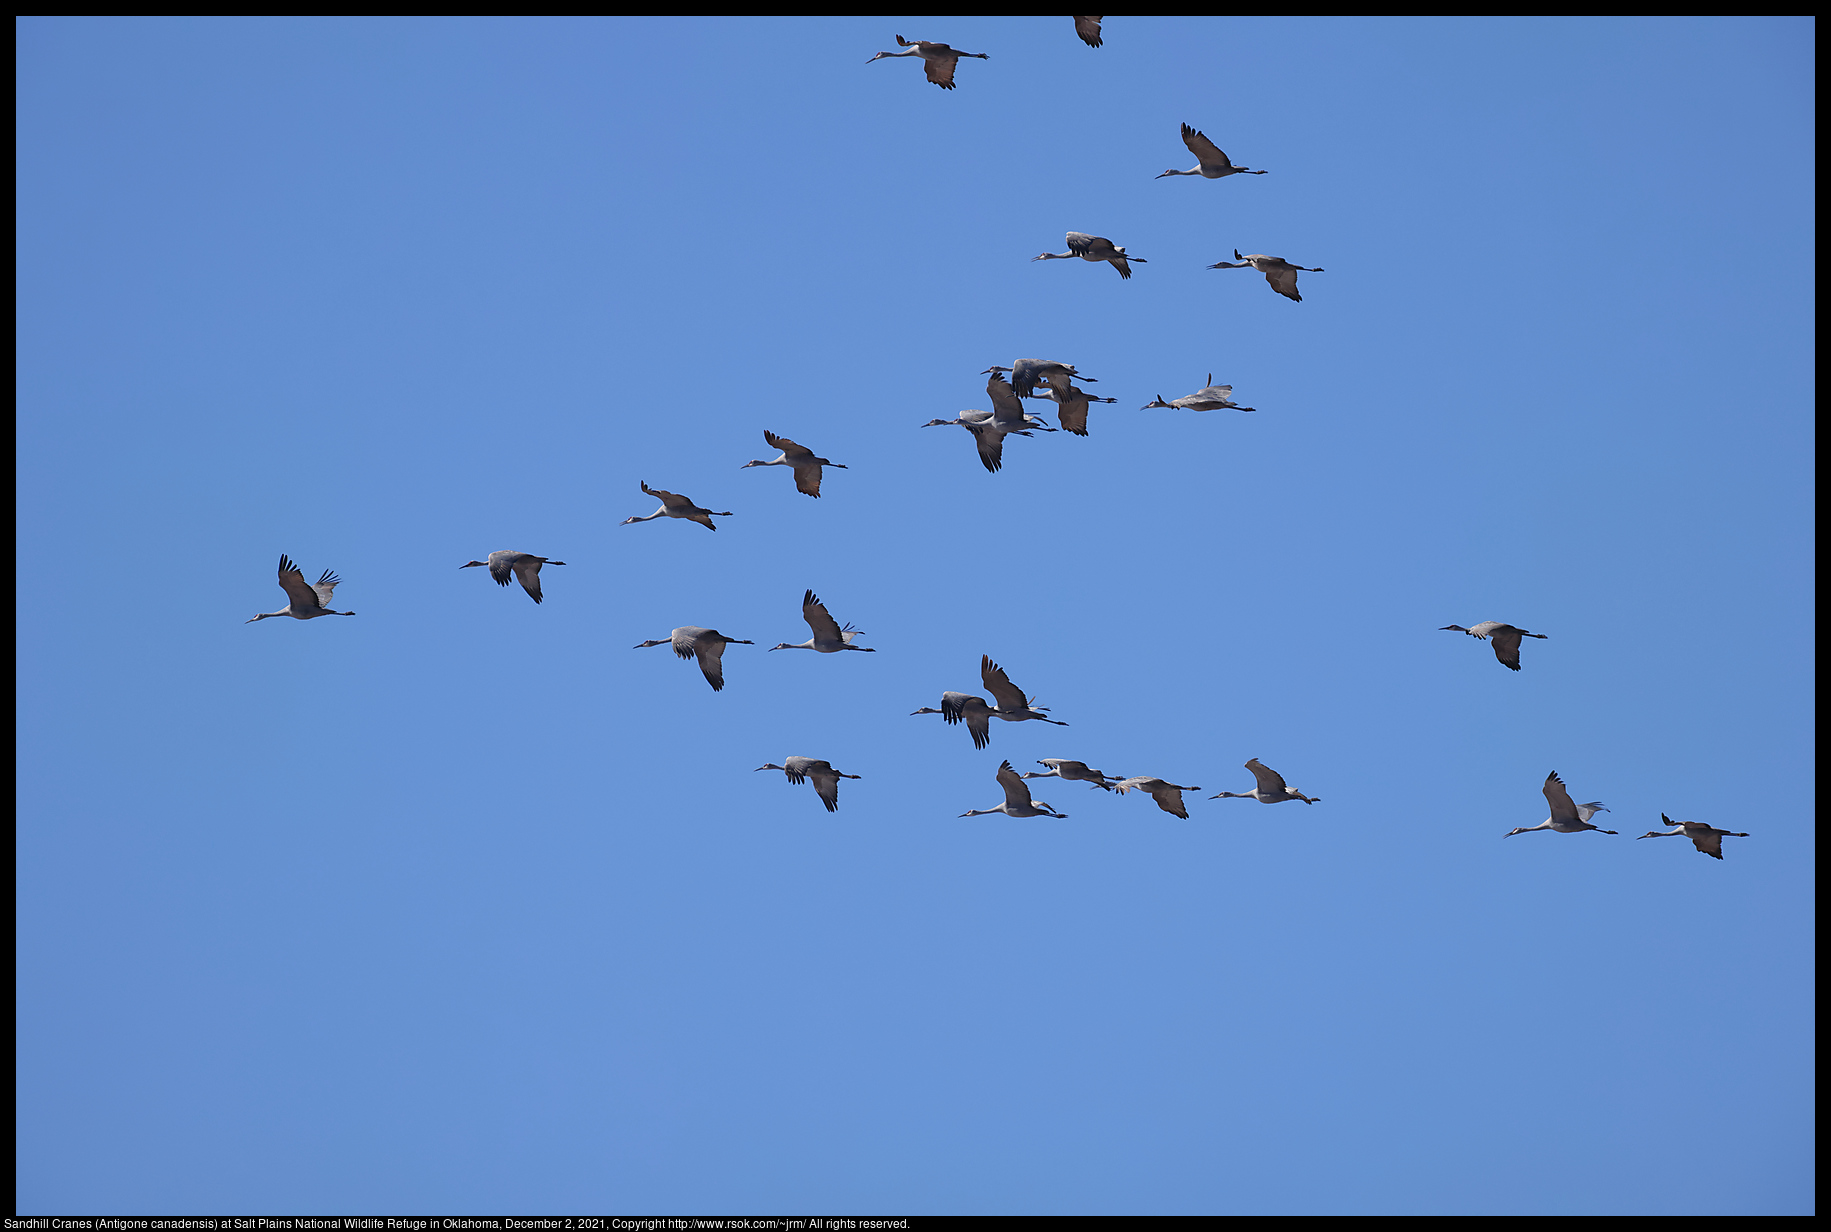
x: 463, y: 905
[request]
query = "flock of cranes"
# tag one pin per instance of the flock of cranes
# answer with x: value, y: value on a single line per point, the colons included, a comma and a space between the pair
x: 1006, y: 388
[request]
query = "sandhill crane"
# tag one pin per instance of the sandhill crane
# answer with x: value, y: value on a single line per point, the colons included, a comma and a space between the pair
x: 826, y: 779
x: 1707, y: 839
x: 1077, y: 771
x: 1210, y: 397
x: 1567, y: 817
x: 303, y: 602
x: 965, y: 707
x: 1093, y: 248
x: 938, y: 59
x: 523, y: 567
x: 1169, y: 796
x: 1211, y: 164
x: 707, y: 645
x: 1027, y: 372
x: 989, y: 432
x: 1071, y: 402
x: 673, y: 505
x: 1089, y: 29
x: 1014, y: 705
x: 807, y: 466
x: 1007, y: 418
x: 1280, y: 273
x: 1017, y: 798
x: 1270, y: 787
x: 1505, y: 638
x: 828, y: 637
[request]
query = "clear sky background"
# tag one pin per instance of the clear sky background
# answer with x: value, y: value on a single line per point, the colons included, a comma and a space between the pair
x: 464, y: 905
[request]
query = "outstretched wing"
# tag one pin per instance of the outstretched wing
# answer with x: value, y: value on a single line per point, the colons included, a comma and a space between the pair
x: 326, y: 583
x: 1017, y: 792
x: 807, y: 478
x: 1206, y: 152
x: 1089, y: 29
x: 941, y: 70
x: 1506, y: 646
x: 991, y: 444
x: 300, y: 595
x: 1071, y: 409
x: 711, y: 653
x: 1563, y: 808
x: 999, y: 685
x: 1122, y: 265
x: 826, y: 786
x: 1284, y: 282
x: 527, y: 572
x: 1005, y: 402
x: 784, y: 444
x: 1169, y: 798
x: 1710, y: 844
x: 1270, y: 781
x: 1080, y: 243
x: 825, y: 628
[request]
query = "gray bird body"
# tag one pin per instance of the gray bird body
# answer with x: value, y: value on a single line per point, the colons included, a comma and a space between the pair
x: 938, y: 59
x: 1707, y: 839
x: 964, y: 708
x: 1169, y: 796
x: 1567, y: 816
x: 304, y: 602
x: 1210, y: 397
x: 829, y: 637
x: 806, y: 465
x: 1071, y: 402
x: 1025, y: 373
x: 1281, y: 274
x: 506, y: 566
x: 1017, y: 802
x: 826, y: 779
x: 1210, y: 163
x: 1270, y: 787
x: 674, y: 505
x: 1505, y: 639
x: 1075, y: 771
x: 1014, y: 705
x: 1093, y: 248
x: 706, y: 645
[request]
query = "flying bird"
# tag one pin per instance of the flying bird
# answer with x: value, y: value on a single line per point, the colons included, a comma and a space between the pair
x: 519, y: 565
x: 1017, y: 801
x: 707, y: 645
x: 1280, y: 273
x: 303, y: 602
x: 1504, y: 637
x: 1169, y: 796
x: 1210, y: 397
x: 828, y: 637
x: 673, y: 505
x: 1092, y: 248
x: 1567, y: 816
x: 1028, y: 372
x: 826, y: 779
x: 938, y: 59
x: 1707, y: 839
x: 1089, y: 29
x: 1211, y: 164
x: 1014, y: 705
x: 1076, y: 771
x: 968, y: 709
x: 1071, y: 402
x: 1269, y: 789
x: 802, y: 459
